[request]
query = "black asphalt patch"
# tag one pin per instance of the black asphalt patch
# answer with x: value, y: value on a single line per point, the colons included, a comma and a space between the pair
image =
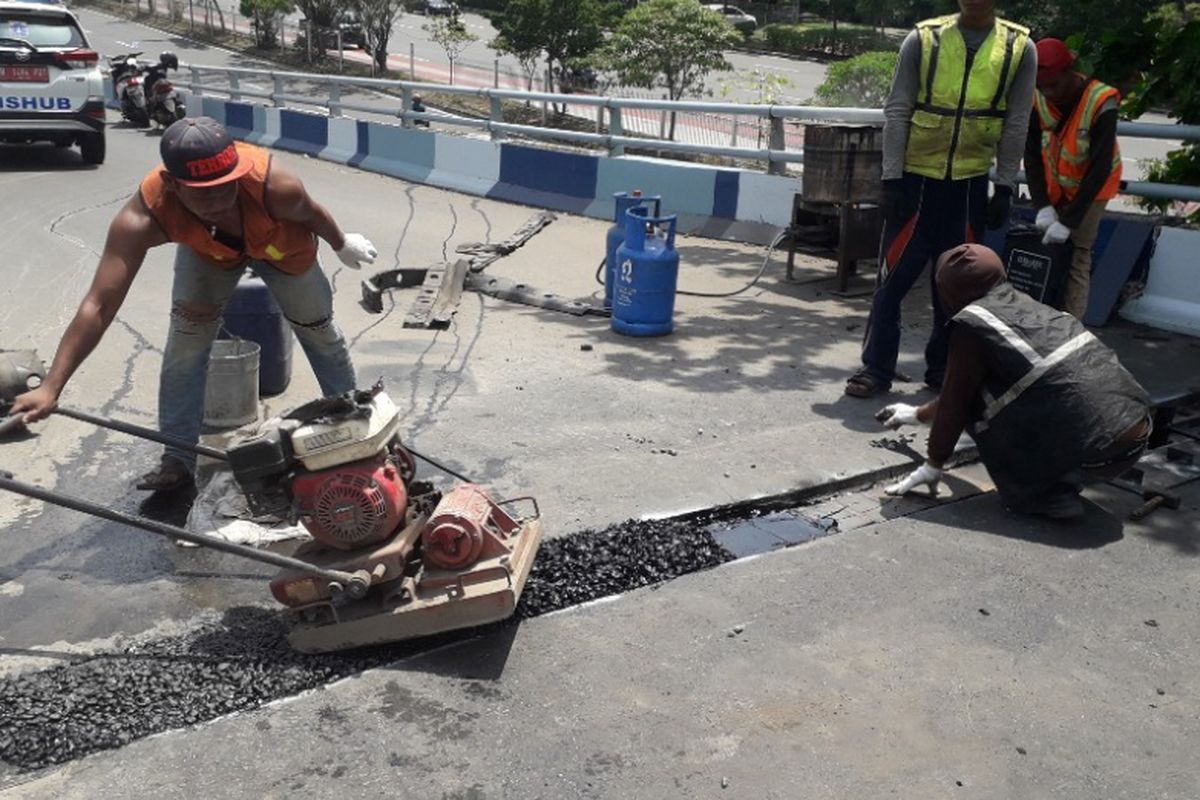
x: 108, y: 700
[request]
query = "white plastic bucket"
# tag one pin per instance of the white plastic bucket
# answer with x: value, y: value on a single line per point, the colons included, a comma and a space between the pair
x: 231, y: 394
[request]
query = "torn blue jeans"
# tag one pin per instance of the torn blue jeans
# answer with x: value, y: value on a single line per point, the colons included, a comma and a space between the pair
x: 199, y: 295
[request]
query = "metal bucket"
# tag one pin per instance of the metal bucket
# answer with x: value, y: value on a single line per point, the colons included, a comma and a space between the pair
x: 842, y: 163
x: 231, y: 393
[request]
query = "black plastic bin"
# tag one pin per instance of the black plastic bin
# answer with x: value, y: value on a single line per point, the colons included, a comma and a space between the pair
x: 1039, y: 270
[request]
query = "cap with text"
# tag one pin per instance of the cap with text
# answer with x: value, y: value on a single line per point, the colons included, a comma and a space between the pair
x: 198, y: 151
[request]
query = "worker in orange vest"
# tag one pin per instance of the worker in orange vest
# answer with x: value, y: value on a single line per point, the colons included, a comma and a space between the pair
x: 1072, y: 161
x: 229, y: 207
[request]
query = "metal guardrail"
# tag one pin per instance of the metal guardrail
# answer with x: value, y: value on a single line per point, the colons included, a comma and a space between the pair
x: 776, y: 155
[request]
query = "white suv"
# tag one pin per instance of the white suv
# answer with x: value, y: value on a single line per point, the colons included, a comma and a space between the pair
x: 51, y: 88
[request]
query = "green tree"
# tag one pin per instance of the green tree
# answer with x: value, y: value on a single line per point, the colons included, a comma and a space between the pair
x: 767, y: 87
x: 877, y: 12
x: 1153, y: 58
x: 565, y: 30
x: 861, y: 82
x: 378, y: 17
x: 522, y: 40
x: 452, y: 36
x: 265, y: 16
x: 671, y: 44
x: 320, y: 13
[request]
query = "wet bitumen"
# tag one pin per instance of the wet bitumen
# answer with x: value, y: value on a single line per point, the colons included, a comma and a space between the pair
x: 242, y: 660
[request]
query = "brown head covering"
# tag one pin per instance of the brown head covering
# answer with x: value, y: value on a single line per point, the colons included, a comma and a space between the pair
x: 965, y: 274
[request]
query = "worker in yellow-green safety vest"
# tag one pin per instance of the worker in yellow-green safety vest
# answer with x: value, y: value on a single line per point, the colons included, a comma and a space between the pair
x: 1072, y: 161
x: 960, y: 99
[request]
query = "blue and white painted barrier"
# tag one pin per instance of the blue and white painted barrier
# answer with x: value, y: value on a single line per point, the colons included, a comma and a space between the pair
x: 1171, y: 298
x: 710, y: 201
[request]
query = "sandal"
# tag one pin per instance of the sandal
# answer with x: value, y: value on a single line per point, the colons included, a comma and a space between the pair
x: 861, y: 384
x: 171, y: 475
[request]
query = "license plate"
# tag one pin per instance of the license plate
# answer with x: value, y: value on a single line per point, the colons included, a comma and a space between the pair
x: 17, y: 73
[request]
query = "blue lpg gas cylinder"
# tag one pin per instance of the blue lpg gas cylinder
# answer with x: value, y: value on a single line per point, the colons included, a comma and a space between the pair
x: 253, y: 314
x: 622, y: 202
x: 646, y: 275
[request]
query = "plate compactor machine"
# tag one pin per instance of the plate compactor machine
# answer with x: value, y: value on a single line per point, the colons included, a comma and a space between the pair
x: 390, y: 559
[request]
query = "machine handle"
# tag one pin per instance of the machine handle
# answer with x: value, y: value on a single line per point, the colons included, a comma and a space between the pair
x: 142, y: 433
x: 353, y: 582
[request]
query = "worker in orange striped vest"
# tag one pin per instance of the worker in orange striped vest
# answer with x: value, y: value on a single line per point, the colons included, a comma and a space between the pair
x: 229, y: 207
x: 1072, y: 161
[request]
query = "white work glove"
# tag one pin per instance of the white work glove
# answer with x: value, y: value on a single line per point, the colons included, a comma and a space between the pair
x: 924, y: 475
x: 356, y: 249
x: 897, y: 415
x: 1045, y: 218
x: 1056, y: 234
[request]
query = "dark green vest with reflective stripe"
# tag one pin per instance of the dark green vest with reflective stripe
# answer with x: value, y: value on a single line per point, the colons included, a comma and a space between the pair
x: 961, y: 99
x: 1053, y: 392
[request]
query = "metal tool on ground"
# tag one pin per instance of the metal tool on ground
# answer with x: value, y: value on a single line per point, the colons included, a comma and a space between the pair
x: 517, y: 292
x: 1158, y: 475
x: 391, y: 558
x: 442, y: 285
x: 441, y: 291
x: 483, y: 254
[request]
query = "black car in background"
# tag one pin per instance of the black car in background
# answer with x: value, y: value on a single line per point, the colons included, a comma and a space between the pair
x: 352, y: 30
x: 434, y: 8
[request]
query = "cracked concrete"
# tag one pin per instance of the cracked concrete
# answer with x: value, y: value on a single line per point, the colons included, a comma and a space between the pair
x: 874, y: 677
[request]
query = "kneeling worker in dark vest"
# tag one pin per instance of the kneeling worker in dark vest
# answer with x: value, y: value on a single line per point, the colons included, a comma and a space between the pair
x: 229, y: 206
x: 1046, y: 402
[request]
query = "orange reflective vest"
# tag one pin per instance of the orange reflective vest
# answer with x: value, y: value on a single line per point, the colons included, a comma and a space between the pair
x: 286, y: 245
x: 1066, y: 147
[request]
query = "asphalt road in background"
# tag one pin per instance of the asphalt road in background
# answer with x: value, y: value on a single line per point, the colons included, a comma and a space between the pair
x: 478, y: 63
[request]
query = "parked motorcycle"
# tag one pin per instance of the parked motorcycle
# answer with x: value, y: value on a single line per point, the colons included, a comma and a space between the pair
x: 163, y: 102
x: 127, y: 73
x: 143, y: 90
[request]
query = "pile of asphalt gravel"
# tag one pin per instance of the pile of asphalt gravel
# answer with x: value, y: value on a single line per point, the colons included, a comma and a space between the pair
x: 575, y: 569
x: 242, y: 661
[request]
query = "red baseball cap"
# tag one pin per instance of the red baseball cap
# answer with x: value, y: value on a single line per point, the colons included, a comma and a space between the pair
x: 1053, y: 57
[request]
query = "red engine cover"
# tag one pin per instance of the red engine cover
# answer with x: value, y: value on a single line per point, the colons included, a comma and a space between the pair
x: 352, y: 505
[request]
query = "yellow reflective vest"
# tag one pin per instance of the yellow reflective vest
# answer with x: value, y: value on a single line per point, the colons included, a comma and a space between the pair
x: 961, y: 99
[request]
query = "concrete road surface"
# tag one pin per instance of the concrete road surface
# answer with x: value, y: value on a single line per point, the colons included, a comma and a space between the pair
x: 864, y: 665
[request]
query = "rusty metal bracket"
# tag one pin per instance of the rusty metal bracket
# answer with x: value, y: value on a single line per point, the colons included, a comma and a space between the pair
x: 438, y: 299
x: 374, y: 287
x: 508, y: 289
x: 441, y: 285
x: 445, y: 305
x: 483, y: 254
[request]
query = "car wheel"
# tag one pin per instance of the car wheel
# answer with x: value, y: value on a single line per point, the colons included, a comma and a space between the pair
x: 91, y: 147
